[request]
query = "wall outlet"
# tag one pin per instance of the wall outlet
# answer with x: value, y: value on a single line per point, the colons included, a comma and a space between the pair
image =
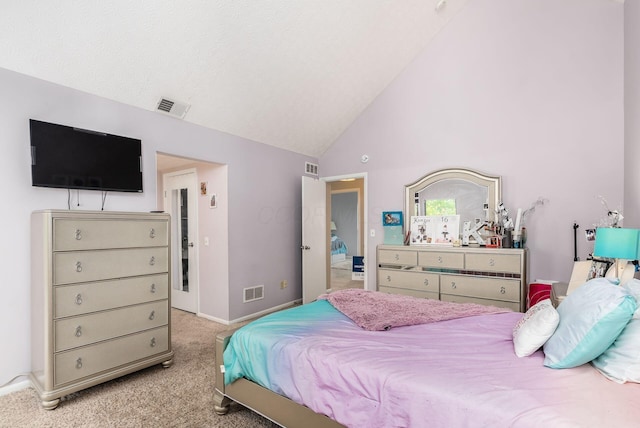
x: 283, y: 284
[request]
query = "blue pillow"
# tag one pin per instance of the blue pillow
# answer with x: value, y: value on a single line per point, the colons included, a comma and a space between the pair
x: 621, y: 362
x: 591, y: 318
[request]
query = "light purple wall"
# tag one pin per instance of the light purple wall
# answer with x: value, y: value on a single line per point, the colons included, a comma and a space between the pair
x: 529, y: 90
x: 263, y: 200
x: 632, y: 113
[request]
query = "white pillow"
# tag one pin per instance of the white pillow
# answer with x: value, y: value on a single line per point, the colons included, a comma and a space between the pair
x: 535, y: 328
x: 621, y: 362
x: 591, y: 318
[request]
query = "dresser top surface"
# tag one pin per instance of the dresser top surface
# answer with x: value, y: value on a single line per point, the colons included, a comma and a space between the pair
x: 100, y: 214
x: 444, y: 248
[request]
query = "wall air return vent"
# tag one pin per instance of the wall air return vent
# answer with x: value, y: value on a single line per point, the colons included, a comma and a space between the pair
x: 172, y: 108
x: 253, y: 293
x: 311, y: 168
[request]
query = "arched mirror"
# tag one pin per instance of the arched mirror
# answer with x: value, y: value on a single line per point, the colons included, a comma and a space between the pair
x: 470, y: 194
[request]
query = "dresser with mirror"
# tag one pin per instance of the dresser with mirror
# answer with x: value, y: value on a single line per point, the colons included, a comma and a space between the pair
x: 471, y: 273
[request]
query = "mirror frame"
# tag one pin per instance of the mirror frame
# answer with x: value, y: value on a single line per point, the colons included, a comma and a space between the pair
x: 493, y: 183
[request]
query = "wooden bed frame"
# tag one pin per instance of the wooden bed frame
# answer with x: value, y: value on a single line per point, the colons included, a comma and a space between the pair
x: 272, y: 406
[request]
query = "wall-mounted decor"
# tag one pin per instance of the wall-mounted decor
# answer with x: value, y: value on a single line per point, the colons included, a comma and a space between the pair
x: 203, y: 188
x: 214, y: 201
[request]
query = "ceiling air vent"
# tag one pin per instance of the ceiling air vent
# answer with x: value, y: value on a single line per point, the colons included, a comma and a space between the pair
x: 311, y: 168
x: 173, y: 108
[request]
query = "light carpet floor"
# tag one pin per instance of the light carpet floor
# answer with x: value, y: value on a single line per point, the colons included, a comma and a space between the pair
x: 180, y: 396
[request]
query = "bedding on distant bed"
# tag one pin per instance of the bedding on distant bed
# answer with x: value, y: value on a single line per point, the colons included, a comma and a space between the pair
x: 452, y: 373
x: 338, y: 246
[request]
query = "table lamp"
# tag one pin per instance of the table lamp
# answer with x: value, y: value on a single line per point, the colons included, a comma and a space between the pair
x: 617, y: 243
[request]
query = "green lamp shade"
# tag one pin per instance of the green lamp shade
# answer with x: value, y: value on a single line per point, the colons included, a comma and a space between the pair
x: 617, y: 243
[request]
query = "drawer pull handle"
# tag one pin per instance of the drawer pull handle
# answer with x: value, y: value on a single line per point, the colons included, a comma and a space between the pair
x: 152, y: 261
x: 388, y: 278
x: 78, y: 299
x: 439, y: 259
x: 152, y: 315
x: 502, y: 290
x: 453, y: 285
x: 153, y: 288
x: 79, y: 363
x: 426, y: 282
x: 78, y: 331
x: 152, y: 233
x: 492, y: 262
x: 78, y: 266
x: 78, y: 234
x: 153, y: 342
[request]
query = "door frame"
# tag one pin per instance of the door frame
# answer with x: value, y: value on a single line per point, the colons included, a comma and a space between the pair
x: 365, y: 224
x: 175, y: 241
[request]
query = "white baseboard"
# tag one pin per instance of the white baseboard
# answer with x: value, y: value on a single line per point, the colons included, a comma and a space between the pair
x: 252, y: 316
x: 15, y: 387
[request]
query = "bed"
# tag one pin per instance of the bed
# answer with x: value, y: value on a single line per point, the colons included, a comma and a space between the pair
x: 313, y: 366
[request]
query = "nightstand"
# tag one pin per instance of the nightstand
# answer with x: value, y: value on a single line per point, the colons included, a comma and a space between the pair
x: 558, y: 292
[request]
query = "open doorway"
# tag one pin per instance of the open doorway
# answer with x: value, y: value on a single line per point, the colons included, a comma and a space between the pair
x: 205, y: 242
x: 345, y: 210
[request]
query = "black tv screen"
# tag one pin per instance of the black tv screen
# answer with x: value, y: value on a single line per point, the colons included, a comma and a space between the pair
x: 73, y: 158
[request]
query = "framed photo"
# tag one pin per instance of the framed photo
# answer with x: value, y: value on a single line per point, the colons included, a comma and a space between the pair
x: 203, y: 188
x: 213, y: 203
x: 392, y: 218
x: 599, y: 268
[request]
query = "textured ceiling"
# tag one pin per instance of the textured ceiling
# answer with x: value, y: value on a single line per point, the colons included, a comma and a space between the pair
x: 288, y: 73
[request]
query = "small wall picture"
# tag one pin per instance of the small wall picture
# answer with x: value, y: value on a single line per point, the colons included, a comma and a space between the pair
x: 590, y: 235
x: 392, y: 218
x: 203, y: 188
x: 213, y: 203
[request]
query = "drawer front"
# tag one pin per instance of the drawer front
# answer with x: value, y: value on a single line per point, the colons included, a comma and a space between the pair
x: 508, y: 263
x: 89, y: 234
x: 444, y: 260
x: 85, y: 266
x: 409, y: 292
x: 483, y: 288
x: 70, y: 300
x: 78, y: 363
x: 396, y: 257
x: 409, y: 279
x: 86, y: 329
x: 463, y: 299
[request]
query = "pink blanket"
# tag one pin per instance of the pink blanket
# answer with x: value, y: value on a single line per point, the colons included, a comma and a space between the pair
x: 376, y: 311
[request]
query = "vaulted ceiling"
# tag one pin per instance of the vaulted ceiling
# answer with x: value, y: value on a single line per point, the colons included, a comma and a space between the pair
x: 289, y: 73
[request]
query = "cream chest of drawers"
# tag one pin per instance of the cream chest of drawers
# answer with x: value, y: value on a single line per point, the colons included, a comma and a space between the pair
x: 490, y: 276
x: 100, y: 298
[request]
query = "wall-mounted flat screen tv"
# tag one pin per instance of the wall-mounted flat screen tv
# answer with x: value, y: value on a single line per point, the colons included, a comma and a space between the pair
x: 73, y: 158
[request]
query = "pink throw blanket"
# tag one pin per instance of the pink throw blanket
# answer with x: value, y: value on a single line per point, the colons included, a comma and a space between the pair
x: 377, y: 311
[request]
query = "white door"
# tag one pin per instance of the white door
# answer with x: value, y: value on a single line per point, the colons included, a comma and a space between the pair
x: 314, y: 238
x: 180, y: 200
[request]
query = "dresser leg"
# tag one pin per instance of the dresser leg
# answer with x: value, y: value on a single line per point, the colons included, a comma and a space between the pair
x: 51, y: 404
x: 167, y: 364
